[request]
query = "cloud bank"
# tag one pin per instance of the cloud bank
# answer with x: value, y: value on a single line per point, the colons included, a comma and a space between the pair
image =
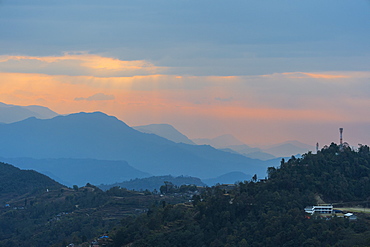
x: 265, y: 71
x: 77, y: 64
x: 241, y: 37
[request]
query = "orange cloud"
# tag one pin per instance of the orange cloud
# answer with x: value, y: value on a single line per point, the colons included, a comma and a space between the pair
x: 83, y: 63
x: 227, y: 101
x: 325, y: 76
x: 301, y: 75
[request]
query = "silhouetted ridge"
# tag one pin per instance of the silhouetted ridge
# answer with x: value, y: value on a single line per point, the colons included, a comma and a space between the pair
x: 15, y: 182
x: 15, y: 113
x: 99, y: 136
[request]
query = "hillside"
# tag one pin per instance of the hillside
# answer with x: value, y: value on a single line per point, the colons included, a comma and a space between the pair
x: 334, y: 173
x: 36, y: 211
x: 15, y: 182
x: 268, y: 212
x: 250, y: 213
x: 102, y: 137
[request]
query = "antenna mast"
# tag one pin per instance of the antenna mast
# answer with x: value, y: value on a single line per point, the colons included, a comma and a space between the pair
x: 341, y: 136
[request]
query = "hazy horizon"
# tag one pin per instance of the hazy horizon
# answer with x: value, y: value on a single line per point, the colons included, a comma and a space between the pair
x: 265, y: 72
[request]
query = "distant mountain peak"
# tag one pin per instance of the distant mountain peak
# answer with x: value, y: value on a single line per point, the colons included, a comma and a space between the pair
x: 166, y: 131
x: 89, y: 115
x: 222, y: 141
x: 96, y: 113
x: 15, y: 113
x: 4, y: 105
x: 96, y: 135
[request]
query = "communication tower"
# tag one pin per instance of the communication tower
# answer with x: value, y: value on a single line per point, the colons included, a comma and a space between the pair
x: 341, y: 136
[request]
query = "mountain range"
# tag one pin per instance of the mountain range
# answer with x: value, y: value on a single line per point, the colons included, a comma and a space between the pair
x: 165, y: 130
x: 231, y: 144
x: 100, y: 149
x: 102, y: 137
x: 15, y: 113
x: 79, y: 172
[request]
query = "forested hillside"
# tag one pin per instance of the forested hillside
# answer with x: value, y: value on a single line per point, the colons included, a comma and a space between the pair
x: 37, y: 211
x: 251, y: 213
x: 266, y: 213
x: 336, y: 174
x: 15, y: 182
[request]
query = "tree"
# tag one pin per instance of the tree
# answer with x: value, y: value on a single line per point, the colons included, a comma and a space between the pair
x: 254, y: 178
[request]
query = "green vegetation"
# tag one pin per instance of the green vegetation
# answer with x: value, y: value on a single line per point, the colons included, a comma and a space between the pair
x: 62, y: 216
x: 37, y: 211
x: 15, y: 182
x: 266, y: 213
x: 269, y: 212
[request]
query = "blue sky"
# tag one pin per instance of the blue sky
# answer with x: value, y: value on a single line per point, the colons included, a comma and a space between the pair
x: 276, y: 53
x: 197, y: 37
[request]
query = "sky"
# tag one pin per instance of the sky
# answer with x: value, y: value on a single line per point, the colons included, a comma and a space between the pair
x: 264, y: 71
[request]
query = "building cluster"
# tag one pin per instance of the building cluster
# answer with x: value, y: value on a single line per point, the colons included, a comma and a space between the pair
x: 327, y: 211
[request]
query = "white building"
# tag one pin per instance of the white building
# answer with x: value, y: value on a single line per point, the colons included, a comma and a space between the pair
x: 320, y: 209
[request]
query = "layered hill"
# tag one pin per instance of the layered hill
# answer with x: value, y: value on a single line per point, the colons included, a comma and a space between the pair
x: 36, y: 211
x: 154, y: 183
x: 265, y: 152
x: 79, y: 172
x: 99, y: 136
x: 165, y: 130
x: 15, y: 182
x: 229, y: 143
x: 14, y: 113
x: 228, y: 178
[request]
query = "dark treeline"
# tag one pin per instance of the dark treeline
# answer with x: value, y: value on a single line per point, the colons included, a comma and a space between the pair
x: 15, y: 182
x: 268, y: 212
x: 53, y: 218
x: 37, y: 211
x: 57, y: 217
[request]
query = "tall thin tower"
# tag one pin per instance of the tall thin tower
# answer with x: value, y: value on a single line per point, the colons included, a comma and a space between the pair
x: 341, y: 136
